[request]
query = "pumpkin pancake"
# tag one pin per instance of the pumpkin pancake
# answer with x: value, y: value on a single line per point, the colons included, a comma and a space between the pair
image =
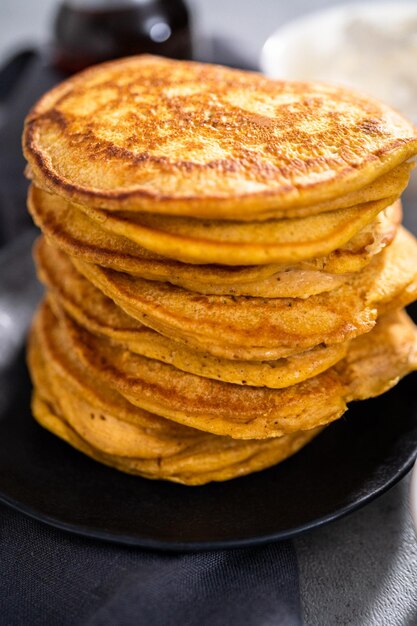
x: 360, y: 250
x: 91, y: 309
x: 55, y: 369
x: 377, y: 361
x: 182, y: 138
x: 202, y: 403
x: 102, y: 424
x: 241, y: 243
x: 74, y: 233
x: 392, y: 183
x: 289, y: 283
x: 241, y: 412
x: 259, y: 329
x: 273, y: 374
x: 185, y: 469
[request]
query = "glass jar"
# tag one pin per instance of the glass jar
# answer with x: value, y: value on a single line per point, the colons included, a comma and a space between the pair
x: 91, y: 31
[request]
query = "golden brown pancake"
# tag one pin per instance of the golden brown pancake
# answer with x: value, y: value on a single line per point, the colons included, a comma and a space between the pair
x: 181, y: 138
x: 224, y: 263
x: 74, y: 233
x: 242, y: 243
x: 392, y: 183
x: 91, y: 309
x: 55, y: 369
x: 266, y: 329
x: 216, y: 407
x: 198, y: 468
x: 101, y: 423
x: 376, y: 362
x: 240, y: 412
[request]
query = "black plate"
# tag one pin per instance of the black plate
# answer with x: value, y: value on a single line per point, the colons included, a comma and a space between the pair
x: 349, y: 464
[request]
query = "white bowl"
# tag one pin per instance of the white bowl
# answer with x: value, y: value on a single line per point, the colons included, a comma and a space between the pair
x: 370, y: 46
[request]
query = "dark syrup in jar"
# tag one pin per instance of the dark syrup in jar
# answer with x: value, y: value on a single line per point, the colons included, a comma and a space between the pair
x: 91, y: 31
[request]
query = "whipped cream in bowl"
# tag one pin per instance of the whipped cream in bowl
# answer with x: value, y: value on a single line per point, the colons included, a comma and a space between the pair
x: 371, y: 46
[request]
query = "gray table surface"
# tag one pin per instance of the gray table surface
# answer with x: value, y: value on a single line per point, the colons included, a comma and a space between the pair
x: 361, y: 570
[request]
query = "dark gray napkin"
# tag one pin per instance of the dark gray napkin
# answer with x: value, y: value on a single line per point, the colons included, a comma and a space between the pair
x: 49, y: 578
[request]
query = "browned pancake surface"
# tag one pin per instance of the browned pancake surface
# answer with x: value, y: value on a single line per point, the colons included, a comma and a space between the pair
x: 152, y: 134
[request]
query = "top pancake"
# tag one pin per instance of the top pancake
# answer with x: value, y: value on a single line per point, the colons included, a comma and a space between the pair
x: 116, y: 136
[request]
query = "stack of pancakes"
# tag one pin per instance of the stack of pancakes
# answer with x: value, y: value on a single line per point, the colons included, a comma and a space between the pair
x: 224, y: 261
